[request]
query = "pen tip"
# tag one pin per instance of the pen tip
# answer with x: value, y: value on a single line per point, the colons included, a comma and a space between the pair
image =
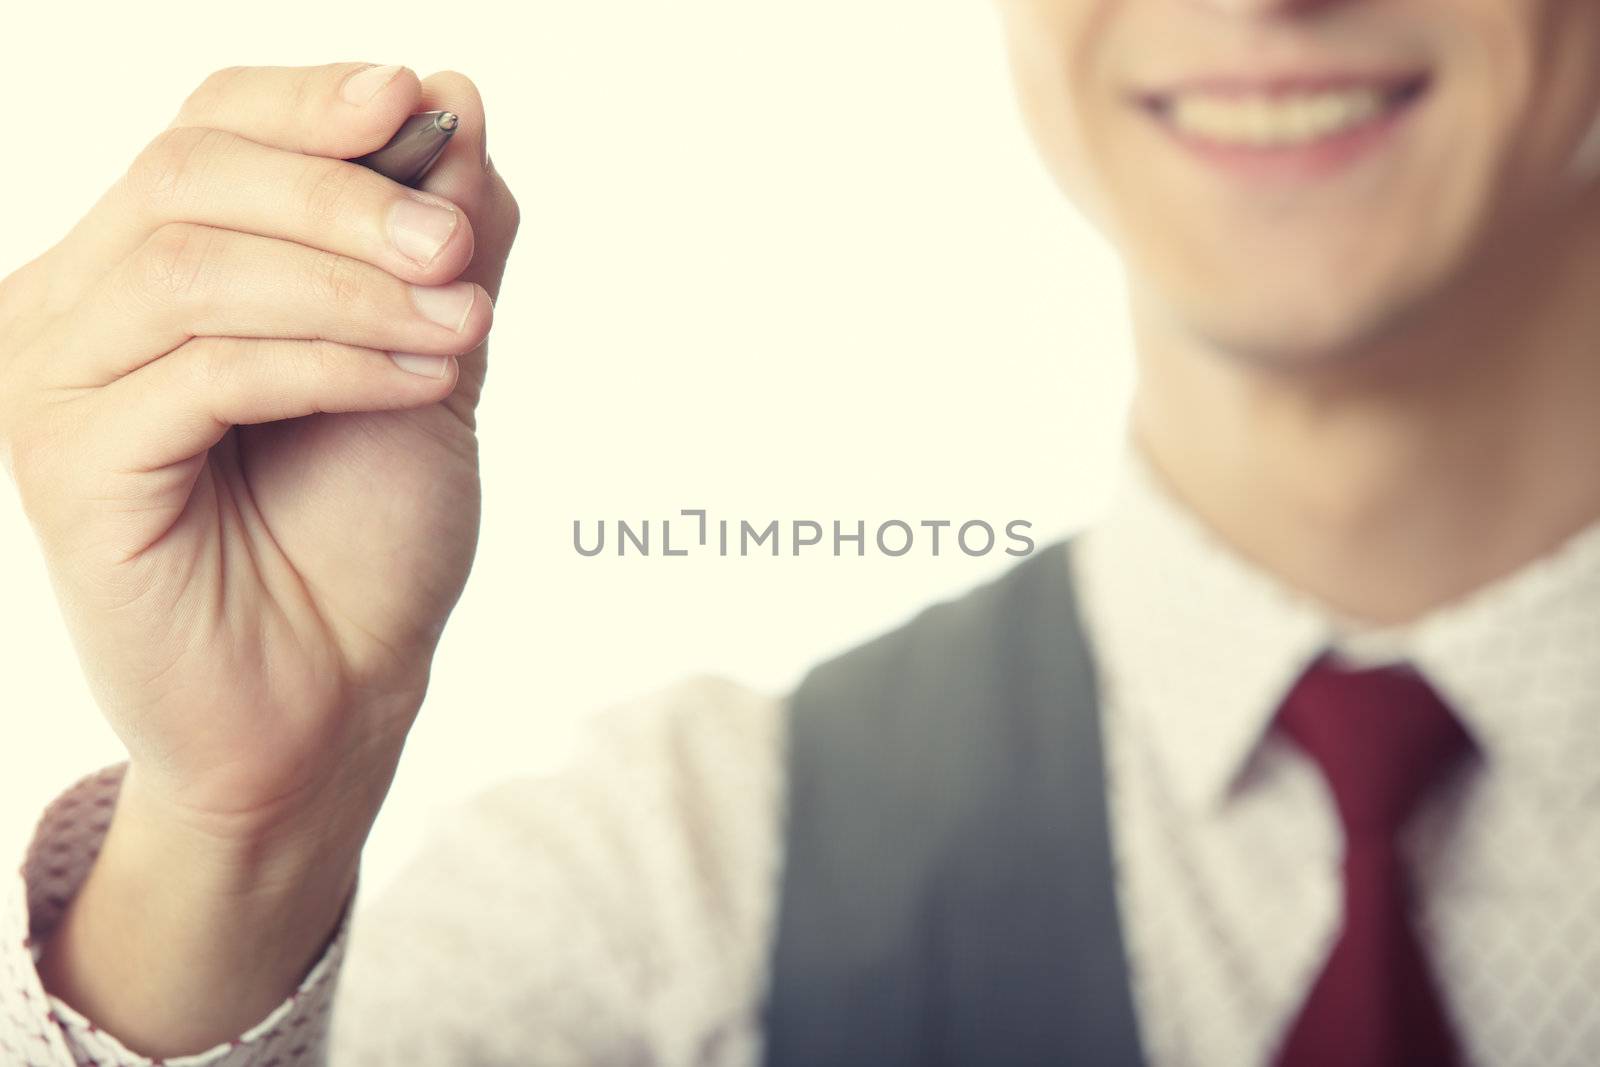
x: 449, y: 120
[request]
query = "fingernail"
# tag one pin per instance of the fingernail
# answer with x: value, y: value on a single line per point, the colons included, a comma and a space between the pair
x: 363, y: 85
x: 447, y: 305
x: 424, y: 366
x: 418, y: 230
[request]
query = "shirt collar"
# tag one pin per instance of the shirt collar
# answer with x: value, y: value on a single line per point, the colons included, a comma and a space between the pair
x: 1201, y: 645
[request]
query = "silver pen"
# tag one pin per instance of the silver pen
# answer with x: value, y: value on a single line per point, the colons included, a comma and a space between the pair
x: 414, y: 148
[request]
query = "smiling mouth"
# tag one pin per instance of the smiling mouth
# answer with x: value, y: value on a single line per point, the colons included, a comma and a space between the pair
x: 1281, y: 116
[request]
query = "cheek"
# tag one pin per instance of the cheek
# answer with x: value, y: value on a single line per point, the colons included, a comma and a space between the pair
x: 1053, y: 46
x: 1536, y: 73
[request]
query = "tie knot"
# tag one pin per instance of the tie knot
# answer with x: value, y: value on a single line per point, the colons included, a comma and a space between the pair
x: 1380, y: 735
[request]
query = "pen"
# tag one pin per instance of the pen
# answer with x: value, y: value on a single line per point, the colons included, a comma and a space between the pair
x: 414, y: 148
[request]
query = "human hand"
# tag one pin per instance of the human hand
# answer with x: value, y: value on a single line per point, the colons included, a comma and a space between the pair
x: 256, y: 521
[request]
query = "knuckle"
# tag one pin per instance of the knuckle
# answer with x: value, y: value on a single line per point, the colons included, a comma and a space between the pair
x: 507, y: 213
x: 327, y: 192
x: 504, y: 200
x: 339, y: 280
x: 171, y: 166
x: 323, y: 358
x: 495, y: 213
x: 213, y: 364
x: 33, y: 450
x: 12, y: 434
x: 211, y: 91
x: 174, y: 260
x: 22, y: 458
x: 12, y: 294
x: 307, y: 92
x: 513, y: 215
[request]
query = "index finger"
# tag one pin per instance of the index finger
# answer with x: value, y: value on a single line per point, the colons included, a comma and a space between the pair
x: 340, y: 110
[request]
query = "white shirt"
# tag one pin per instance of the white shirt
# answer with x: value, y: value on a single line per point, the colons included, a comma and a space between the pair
x: 621, y: 911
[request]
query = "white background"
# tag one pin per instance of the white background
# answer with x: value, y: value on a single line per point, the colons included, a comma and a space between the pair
x: 777, y: 261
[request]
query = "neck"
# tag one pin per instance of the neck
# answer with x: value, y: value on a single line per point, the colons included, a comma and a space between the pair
x: 1394, y: 479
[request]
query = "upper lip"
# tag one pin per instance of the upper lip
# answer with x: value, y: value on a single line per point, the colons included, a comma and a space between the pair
x: 1283, y: 83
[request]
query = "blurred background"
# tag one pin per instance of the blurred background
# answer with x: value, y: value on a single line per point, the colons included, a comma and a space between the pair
x: 777, y: 261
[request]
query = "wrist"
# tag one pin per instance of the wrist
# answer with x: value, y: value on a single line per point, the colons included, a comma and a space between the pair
x: 278, y: 801
x: 190, y: 928
x: 234, y: 828
x: 270, y: 855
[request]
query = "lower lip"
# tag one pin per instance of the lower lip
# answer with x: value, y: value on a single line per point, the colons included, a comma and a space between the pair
x: 1306, y: 161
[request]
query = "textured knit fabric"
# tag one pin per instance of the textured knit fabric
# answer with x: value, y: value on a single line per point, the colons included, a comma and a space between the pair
x: 619, y: 912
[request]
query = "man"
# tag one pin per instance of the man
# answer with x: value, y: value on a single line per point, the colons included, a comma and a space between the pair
x: 1335, y: 636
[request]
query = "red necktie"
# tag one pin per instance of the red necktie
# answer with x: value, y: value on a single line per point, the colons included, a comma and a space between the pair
x: 1381, y: 737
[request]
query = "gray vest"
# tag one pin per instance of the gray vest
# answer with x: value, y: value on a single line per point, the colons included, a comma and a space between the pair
x: 947, y: 895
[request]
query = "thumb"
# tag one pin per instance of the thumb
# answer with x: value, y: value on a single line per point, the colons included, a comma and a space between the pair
x: 465, y: 177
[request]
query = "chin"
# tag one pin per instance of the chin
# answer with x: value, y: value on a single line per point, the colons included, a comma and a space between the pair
x: 1267, y: 306
x: 1280, y: 334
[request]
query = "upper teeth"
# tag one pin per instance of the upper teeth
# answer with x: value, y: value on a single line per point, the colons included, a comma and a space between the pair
x: 1273, y: 120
